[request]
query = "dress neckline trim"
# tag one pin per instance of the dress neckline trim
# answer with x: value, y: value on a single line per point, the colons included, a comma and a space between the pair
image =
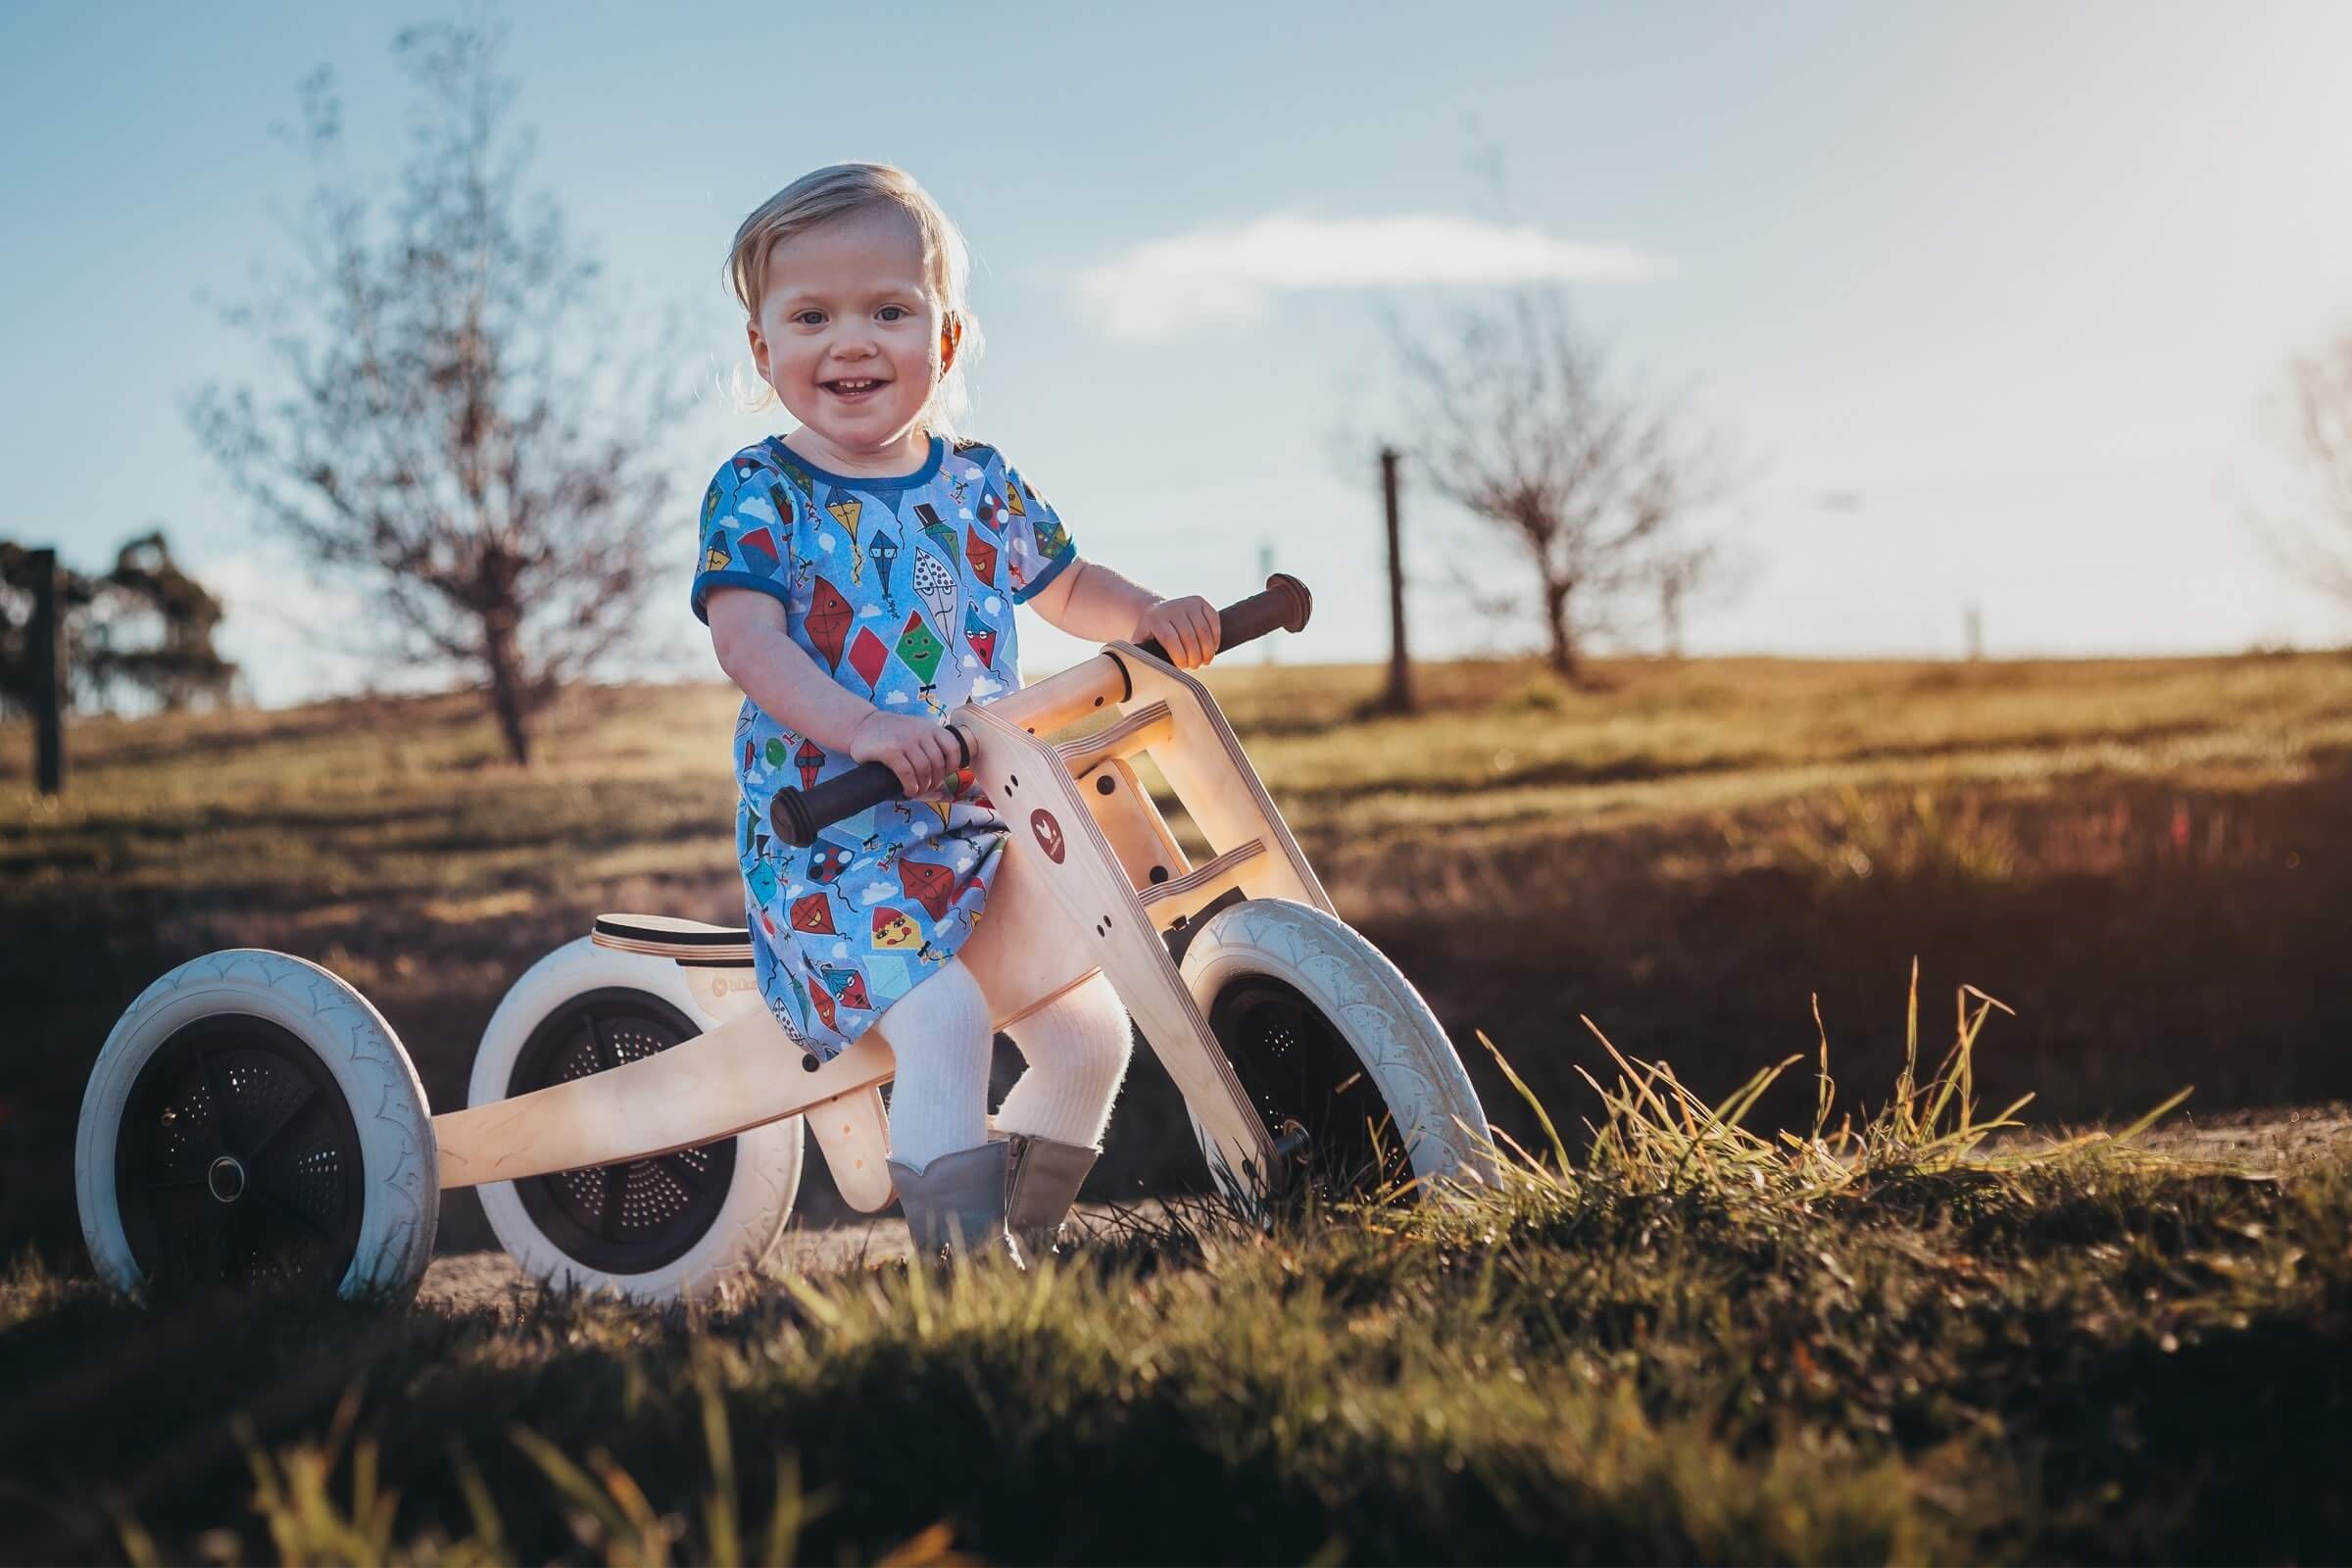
x: 866, y: 481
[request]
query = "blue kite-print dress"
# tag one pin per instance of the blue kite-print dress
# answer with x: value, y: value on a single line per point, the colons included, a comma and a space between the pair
x: 902, y: 589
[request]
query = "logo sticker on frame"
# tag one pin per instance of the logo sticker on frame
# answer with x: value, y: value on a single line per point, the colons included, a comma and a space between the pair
x: 1049, y: 833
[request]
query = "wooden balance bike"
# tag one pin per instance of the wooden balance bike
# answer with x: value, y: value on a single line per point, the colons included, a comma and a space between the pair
x: 636, y: 1115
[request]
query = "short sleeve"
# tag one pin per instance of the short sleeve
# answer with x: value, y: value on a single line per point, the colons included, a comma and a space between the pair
x: 744, y: 537
x: 1041, y: 548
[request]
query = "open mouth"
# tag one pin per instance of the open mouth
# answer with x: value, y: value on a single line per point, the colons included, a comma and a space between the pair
x: 854, y: 388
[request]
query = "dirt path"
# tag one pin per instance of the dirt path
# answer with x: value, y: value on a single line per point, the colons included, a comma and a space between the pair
x: 2263, y: 1140
x: 2266, y: 1139
x: 465, y: 1281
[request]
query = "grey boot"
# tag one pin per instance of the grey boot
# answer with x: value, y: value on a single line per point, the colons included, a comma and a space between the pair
x: 1041, y: 1177
x: 958, y: 1201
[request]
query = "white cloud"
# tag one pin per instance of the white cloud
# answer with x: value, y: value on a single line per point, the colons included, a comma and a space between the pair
x: 293, y: 638
x: 1165, y: 285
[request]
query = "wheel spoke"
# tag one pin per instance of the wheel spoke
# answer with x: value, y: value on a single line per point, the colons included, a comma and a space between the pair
x: 628, y: 1216
x: 259, y: 1184
x: 241, y: 1238
x: 286, y: 1126
x: 185, y: 1205
x: 200, y: 1144
x: 218, y: 1091
x: 1299, y: 1066
x: 616, y: 1178
x: 688, y: 1174
x: 264, y: 1099
x: 215, y: 1252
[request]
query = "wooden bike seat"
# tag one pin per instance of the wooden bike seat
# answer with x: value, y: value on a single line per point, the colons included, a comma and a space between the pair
x: 689, y: 942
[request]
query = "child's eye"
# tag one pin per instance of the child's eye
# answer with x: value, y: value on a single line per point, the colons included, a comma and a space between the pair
x: 893, y: 312
x: 810, y: 318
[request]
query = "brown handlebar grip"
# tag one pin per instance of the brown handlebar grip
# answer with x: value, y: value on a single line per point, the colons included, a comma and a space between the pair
x: 1284, y: 606
x: 795, y: 815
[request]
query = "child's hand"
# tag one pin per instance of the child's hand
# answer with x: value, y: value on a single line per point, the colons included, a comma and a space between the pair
x: 1186, y: 627
x: 922, y: 754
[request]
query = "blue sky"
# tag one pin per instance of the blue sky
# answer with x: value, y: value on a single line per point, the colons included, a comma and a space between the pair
x: 2009, y: 288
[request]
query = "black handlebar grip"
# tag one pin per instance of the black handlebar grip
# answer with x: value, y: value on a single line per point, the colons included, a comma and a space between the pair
x: 795, y: 816
x: 1284, y: 606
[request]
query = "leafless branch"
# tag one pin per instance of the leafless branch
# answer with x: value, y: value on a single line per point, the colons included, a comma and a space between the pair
x: 458, y: 434
x: 1519, y: 420
x: 2315, y: 543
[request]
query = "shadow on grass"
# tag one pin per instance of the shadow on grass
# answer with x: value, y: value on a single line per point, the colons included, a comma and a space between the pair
x: 188, y: 738
x: 2149, y: 938
x: 1601, y: 1373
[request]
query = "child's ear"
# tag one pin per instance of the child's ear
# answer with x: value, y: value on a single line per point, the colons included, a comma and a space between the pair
x: 951, y: 337
x: 750, y: 330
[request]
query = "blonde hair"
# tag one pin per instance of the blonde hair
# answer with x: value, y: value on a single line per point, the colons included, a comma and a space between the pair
x: 825, y: 194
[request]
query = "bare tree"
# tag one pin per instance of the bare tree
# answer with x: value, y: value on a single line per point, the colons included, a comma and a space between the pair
x: 2318, y: 547
x: 1677, y: 575
x: 1517, y: 421
x: 459, y: 438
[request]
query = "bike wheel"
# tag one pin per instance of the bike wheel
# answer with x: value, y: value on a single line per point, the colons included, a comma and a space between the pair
x: 253, y: 1122
x: 1330, y: 1042
x: 679, y: 1224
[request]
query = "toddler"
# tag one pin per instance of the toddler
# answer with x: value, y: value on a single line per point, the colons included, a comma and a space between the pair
x: 859, y: 576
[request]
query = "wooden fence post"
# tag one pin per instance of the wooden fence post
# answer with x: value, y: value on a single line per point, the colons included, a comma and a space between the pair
x: 46, y: 675
x: 1399, y: 698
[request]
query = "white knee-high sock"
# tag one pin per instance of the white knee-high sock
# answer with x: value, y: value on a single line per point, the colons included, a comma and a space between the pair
x: 939, y: 1100
x: 1077, y: 1048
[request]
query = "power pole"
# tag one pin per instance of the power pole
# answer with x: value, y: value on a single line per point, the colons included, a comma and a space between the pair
x: 1398, y: 698
x: 44, y: 672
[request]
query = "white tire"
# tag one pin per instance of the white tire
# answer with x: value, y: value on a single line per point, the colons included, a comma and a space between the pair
x: 252, y: 1119
x: 653, y: 1230
x: 1287, y: 986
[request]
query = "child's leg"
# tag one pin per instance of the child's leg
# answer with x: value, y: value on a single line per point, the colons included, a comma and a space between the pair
x: 939, y: 1100
x: 1077, y: 1048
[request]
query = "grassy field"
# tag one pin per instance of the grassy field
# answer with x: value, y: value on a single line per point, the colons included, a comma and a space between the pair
x: 2148, y: 861
x: 1693, y: 1345
x: 1675, y: 1355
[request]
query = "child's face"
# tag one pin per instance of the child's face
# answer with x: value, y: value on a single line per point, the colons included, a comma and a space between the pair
x: 851, y: 338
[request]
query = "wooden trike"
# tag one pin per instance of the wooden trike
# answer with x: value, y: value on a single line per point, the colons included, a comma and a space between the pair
x: 637, y: 1115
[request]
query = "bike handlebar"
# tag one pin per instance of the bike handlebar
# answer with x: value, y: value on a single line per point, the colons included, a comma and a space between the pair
x: 795, y: 815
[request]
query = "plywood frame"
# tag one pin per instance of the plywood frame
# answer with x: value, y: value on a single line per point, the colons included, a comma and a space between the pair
x: 1031, y: 786
x: 1075, y: 899
x: 1204, y: 765
x: 742, y: 1074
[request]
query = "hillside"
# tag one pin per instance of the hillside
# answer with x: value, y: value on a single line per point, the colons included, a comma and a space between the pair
x: 2146, y: 860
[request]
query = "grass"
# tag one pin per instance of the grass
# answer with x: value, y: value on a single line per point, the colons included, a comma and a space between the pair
x: 1721, y: 1311
x: 2146, y: 859
x: 1882, y: 1336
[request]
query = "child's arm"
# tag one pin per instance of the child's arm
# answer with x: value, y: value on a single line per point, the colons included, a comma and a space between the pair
x: 1088, y: 600
x: 747, y: 632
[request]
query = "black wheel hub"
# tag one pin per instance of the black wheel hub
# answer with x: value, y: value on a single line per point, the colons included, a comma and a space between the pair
x: 1328, y: 1120
x: 640, y: 1214
x: 226, y: 1181
x: 237, y: 1162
